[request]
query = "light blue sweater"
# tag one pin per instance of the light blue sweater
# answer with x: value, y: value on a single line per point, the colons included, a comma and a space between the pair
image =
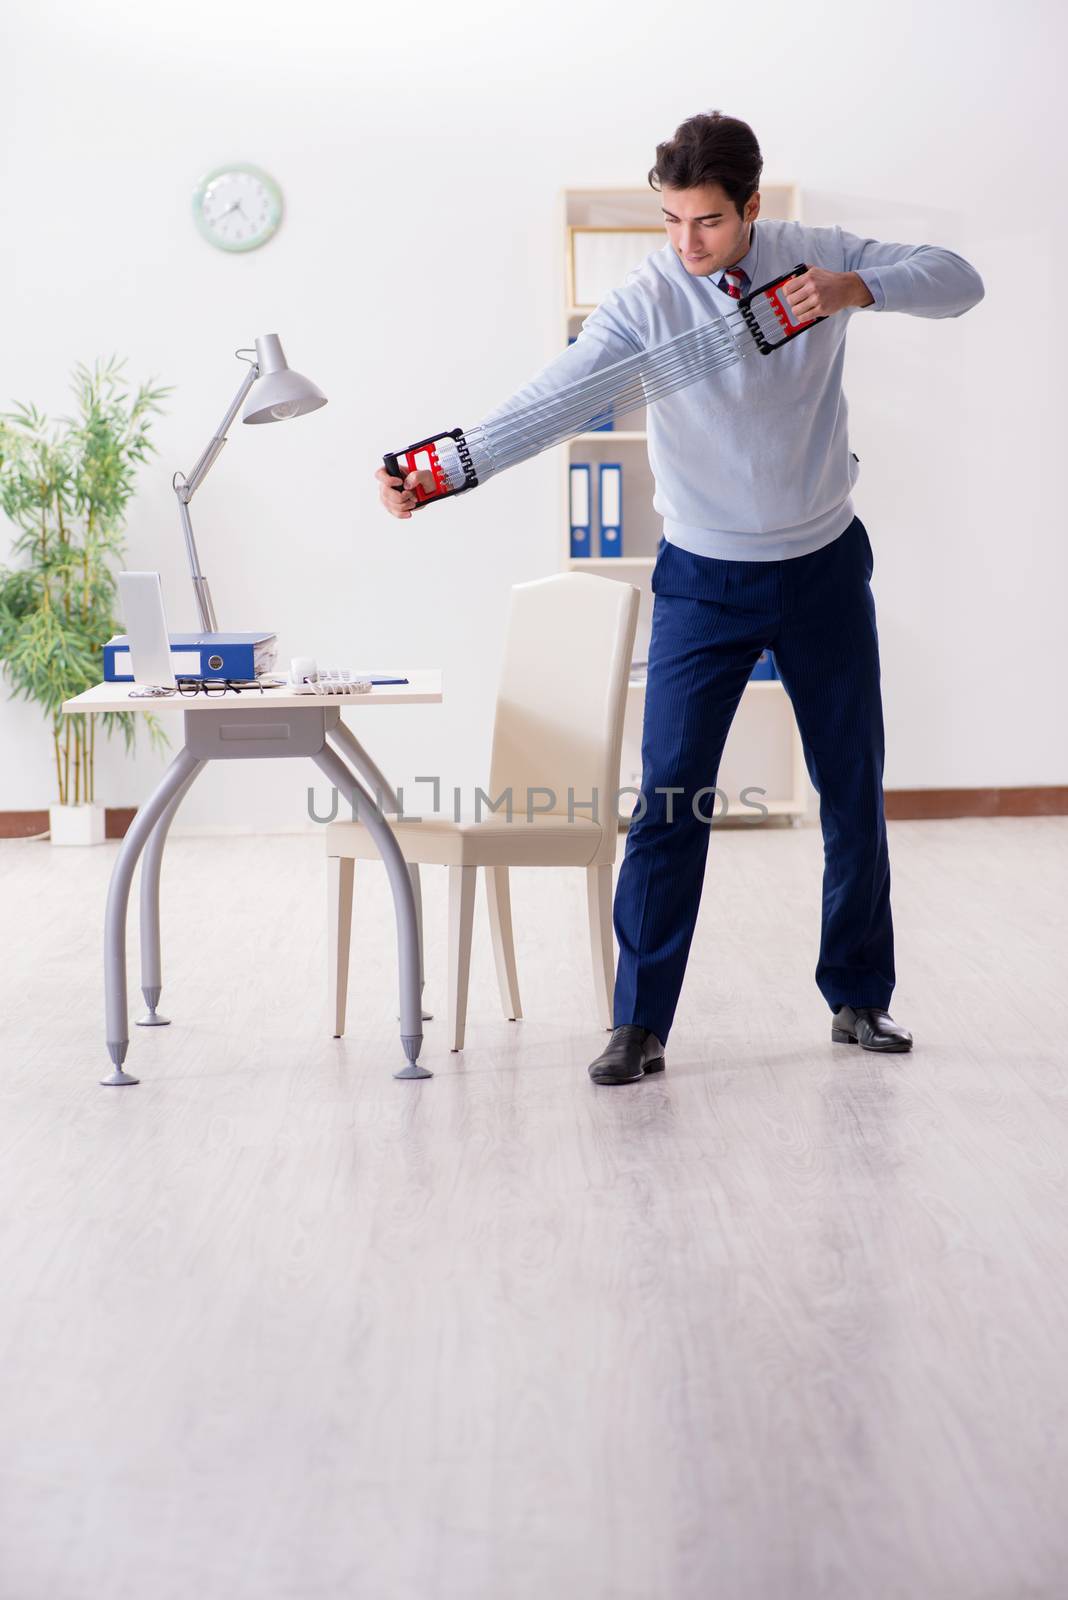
x: 752, y: 463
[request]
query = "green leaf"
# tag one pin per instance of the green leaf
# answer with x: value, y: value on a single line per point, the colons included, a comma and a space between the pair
x: 66, y: 486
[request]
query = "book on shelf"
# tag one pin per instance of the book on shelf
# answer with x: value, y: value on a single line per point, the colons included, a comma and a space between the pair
x: 765, y: 668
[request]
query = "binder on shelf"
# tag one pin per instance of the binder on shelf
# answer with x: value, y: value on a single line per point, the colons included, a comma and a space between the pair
x: 765, y: 668
x: 611, y: 508
x: 241, y: 656
x: 581, y: 524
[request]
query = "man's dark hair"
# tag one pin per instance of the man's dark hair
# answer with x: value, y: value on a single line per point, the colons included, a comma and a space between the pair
x: 710, y: 148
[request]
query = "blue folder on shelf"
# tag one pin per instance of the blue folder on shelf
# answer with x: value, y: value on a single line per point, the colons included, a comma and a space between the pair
x: 580, y: 509
x: 610, y: 503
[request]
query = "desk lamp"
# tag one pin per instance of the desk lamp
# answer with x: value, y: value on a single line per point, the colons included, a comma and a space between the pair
x: 274, y: 393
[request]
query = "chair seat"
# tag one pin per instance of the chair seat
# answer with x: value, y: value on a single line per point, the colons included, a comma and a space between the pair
x: 487, y: 841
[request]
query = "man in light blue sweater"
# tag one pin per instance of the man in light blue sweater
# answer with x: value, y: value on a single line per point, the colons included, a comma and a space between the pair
x: 761, y: 549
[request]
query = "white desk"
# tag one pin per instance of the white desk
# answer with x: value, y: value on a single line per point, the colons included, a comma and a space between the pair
x: 274, y: 725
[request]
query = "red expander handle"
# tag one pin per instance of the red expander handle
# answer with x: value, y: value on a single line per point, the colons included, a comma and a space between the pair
x: 782, y: 311
x: 410, y: 461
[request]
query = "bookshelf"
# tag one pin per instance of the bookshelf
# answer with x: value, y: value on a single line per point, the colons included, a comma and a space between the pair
x: 763, y: 749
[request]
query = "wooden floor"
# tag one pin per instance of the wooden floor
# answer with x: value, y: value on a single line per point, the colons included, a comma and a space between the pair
x: 789, y: 1321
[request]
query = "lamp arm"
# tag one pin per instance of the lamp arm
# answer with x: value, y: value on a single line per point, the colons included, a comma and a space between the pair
x: 218, y: 438
x: 185, y: 488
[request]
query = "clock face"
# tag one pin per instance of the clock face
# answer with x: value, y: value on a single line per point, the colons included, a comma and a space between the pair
x: 237, y: 207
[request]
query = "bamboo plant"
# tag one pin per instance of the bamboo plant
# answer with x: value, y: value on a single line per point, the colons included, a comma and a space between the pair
x: 66, y: 487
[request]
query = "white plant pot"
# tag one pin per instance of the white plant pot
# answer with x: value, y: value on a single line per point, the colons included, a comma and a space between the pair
x: 82, y: 824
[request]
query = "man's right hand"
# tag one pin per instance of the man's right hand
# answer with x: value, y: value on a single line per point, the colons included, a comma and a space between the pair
x: 397, y: 494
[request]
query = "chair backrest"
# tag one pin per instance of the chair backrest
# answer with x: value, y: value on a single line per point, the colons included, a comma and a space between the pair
x: 562, y: 696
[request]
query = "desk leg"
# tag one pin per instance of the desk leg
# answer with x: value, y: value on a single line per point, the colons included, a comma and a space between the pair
x: 376, y: 782
x: 182, y: 769
x: 338, y: 774
x: 152, y: 860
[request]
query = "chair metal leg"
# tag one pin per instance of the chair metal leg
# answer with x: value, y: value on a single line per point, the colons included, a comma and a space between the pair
x: 602, y: 948
x: 341, y: 873
x: 461, y: 926
x: 338, y: 774
x: 499, y: 901
x: 182, y: 769
x: 151, y: 862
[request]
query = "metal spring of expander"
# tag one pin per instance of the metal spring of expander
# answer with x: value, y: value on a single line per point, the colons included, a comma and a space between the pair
x: 462, y: 450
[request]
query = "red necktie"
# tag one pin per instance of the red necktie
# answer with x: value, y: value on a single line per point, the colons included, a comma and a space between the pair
x: 734, y: 282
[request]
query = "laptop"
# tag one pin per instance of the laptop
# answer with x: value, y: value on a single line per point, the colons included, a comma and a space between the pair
x: 141, y: 598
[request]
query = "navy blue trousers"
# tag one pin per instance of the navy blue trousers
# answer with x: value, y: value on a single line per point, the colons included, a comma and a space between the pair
x: 711, y: 620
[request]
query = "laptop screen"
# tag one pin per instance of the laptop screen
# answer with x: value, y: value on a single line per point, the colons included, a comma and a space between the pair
x: 141, y: 597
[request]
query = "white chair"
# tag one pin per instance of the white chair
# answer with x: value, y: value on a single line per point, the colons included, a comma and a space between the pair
x: 558, y: 726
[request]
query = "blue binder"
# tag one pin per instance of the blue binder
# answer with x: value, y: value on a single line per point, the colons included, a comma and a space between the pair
x: 242, y: 656
x: 765, y: 667
x: 610, y: 504
x: 580, y: 510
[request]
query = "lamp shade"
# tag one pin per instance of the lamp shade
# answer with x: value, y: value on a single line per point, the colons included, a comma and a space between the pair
x: 279, y: 392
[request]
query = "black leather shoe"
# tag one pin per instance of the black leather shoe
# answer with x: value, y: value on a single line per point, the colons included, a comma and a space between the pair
x: 871, y: 1027
x: 630, y: 1053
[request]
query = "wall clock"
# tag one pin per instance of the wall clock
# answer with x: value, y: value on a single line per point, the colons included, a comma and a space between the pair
x: 237, y: 207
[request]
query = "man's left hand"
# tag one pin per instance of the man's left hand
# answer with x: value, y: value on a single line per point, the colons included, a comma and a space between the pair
x: 819, y: 293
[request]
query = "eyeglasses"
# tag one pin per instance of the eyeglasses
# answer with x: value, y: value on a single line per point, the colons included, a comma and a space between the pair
x: 218, y: 686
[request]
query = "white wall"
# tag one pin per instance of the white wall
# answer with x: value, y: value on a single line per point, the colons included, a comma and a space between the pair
x: 416, y: 277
